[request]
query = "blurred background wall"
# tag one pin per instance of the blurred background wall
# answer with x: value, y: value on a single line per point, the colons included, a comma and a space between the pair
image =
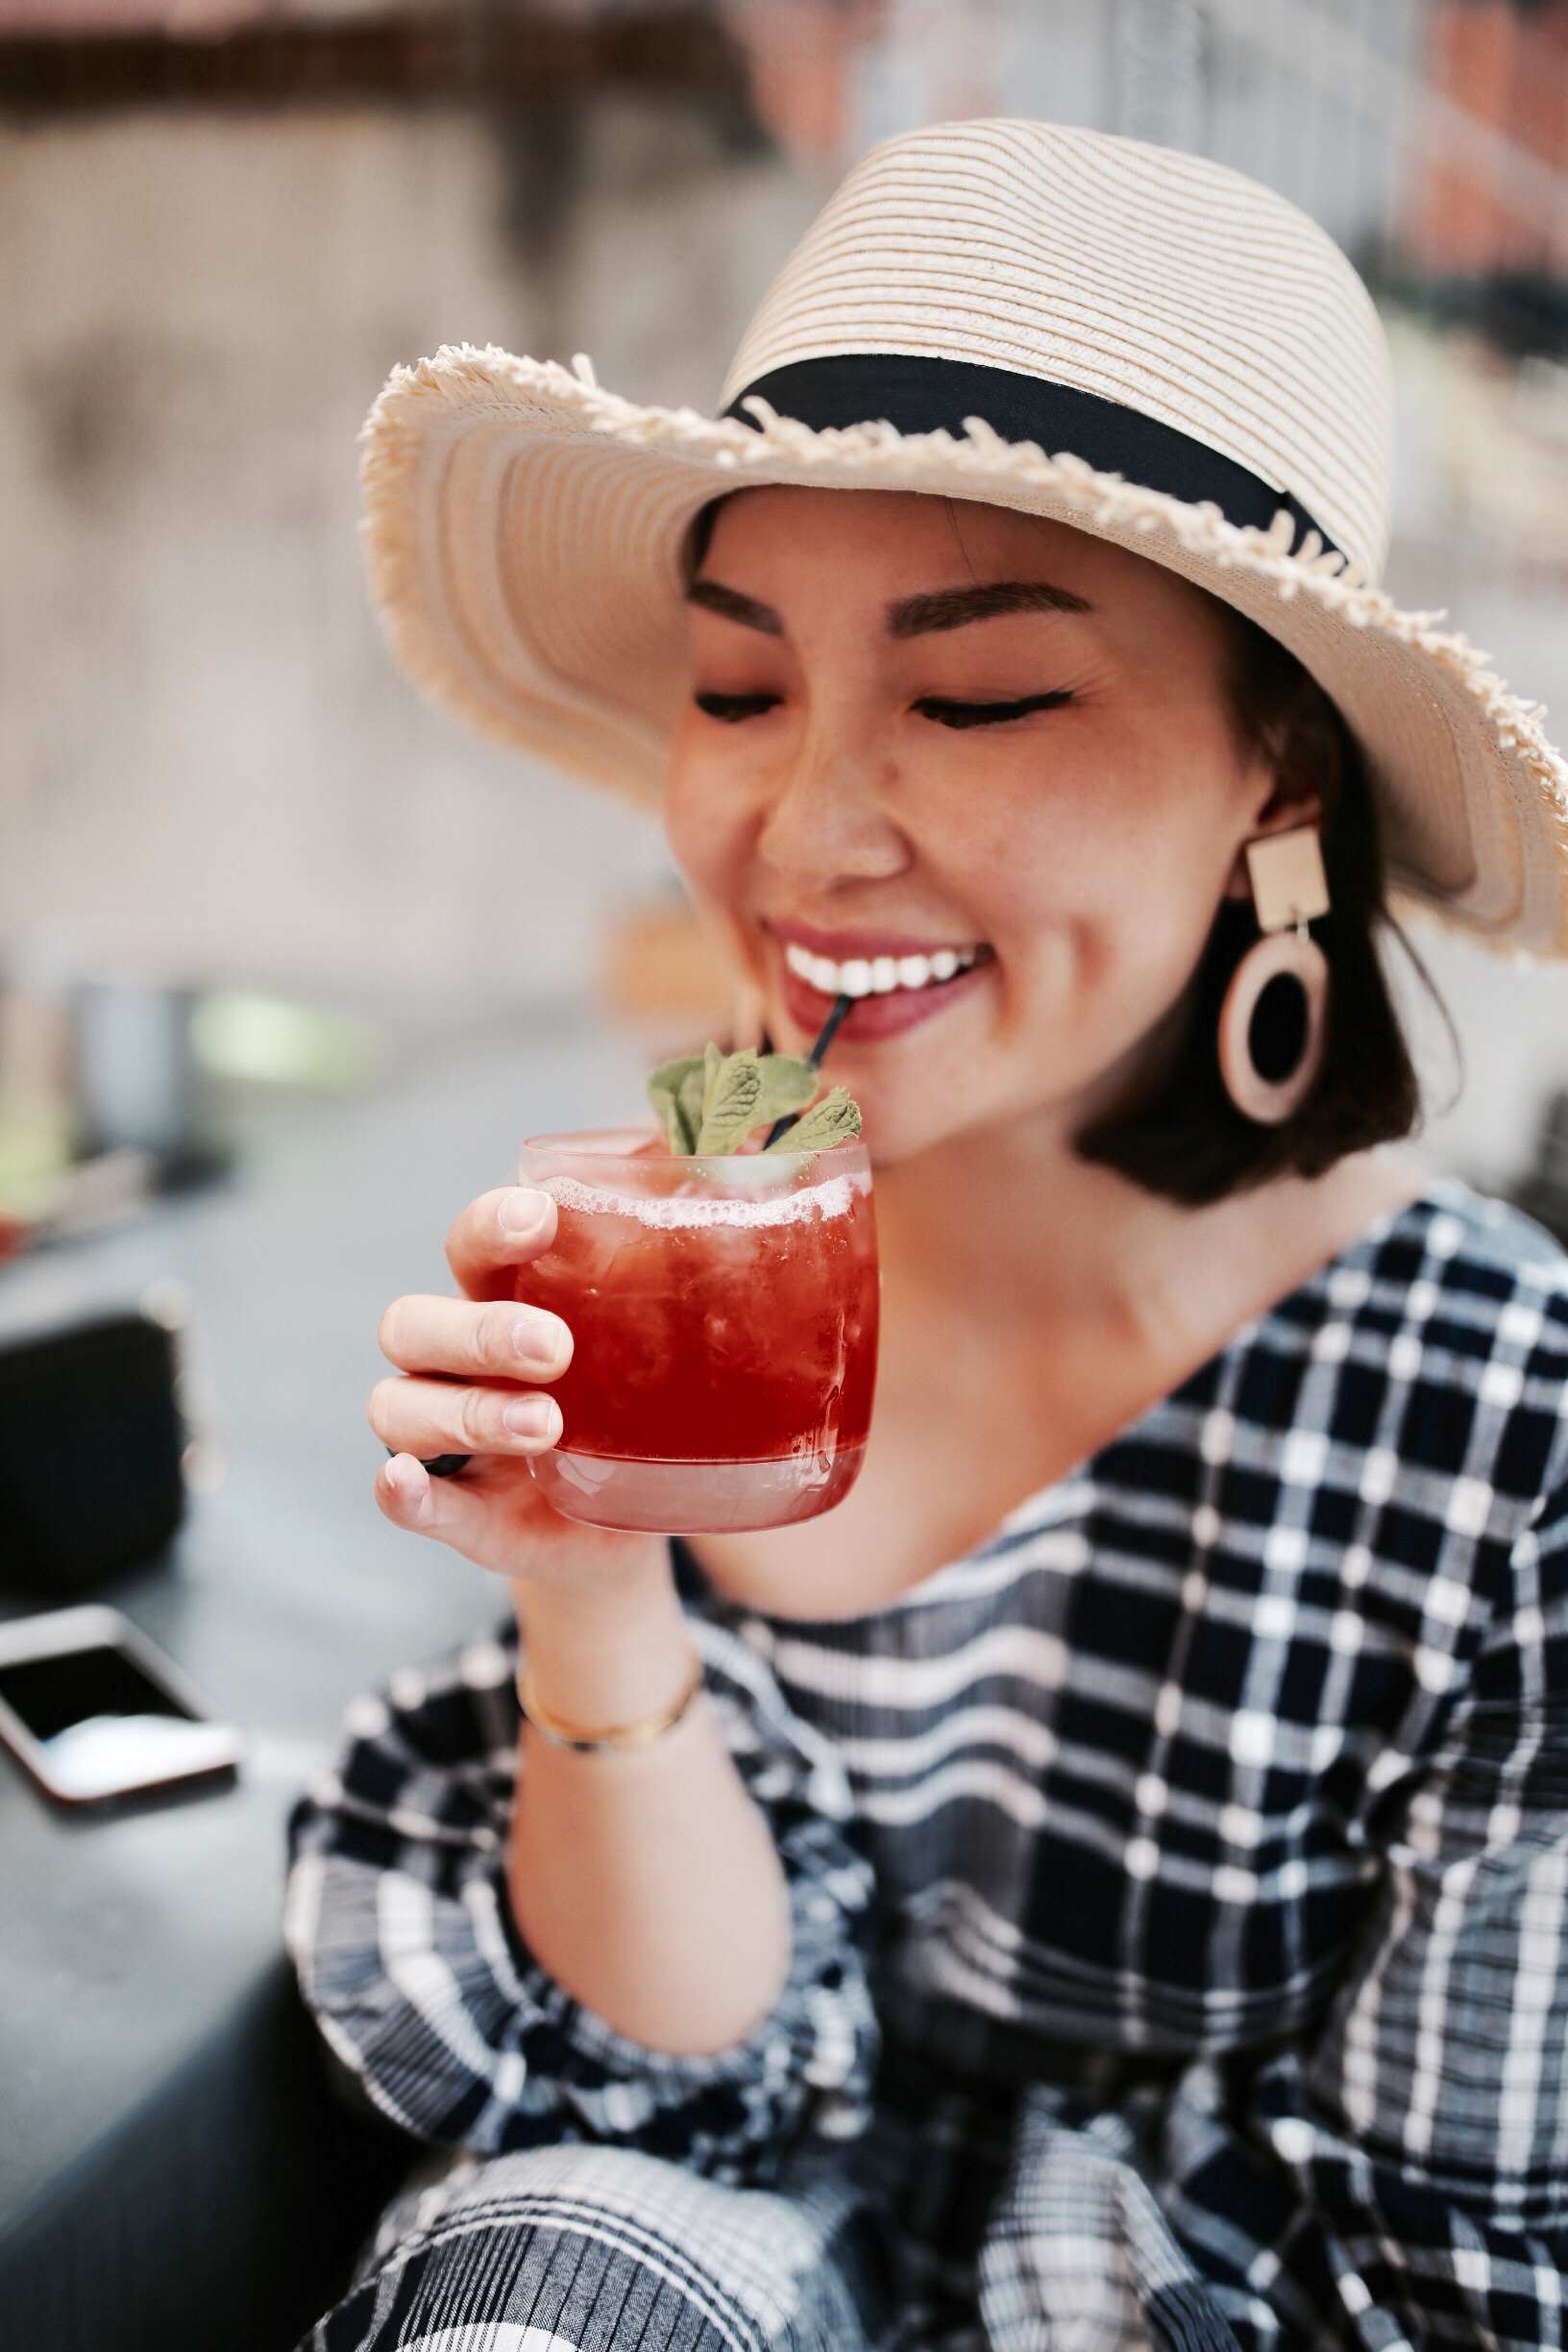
x: 222, y: 222
x: 209, y: 767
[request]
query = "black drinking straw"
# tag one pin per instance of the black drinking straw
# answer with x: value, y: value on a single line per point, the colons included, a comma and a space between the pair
x: 826, y: 1034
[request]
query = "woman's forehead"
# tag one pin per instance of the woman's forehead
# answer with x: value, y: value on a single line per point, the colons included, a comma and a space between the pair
x: 799, y: 514
x: 924, y: 542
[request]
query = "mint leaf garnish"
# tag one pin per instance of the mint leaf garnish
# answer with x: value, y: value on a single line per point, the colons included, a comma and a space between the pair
x: 835, y: 1119
x: 709, y: 1103
x: 788, y: 1085
x: 693, y: 1087
x: 729, y: 1100
x: 670, y: 1092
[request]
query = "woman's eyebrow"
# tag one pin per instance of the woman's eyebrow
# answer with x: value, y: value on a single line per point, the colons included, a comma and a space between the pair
x: 713, y: 596
x: 951, y: 608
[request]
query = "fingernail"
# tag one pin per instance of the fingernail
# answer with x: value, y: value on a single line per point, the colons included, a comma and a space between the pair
x: 523, y: 1213
x: 532, y: 1417
x: 536, y: 1337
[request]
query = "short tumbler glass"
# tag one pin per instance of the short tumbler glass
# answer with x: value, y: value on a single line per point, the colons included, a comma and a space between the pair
x: 724, y: 1313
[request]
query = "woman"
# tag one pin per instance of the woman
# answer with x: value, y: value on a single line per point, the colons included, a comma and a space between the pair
x: 1107, y: 1881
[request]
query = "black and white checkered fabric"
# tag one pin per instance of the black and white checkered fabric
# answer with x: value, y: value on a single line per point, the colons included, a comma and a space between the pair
x: 1199, y: 1847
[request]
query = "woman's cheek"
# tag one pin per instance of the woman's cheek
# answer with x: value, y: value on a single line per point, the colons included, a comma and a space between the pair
x: 1142, y: 964
x: 1089, y: 961
x: 699, y: 817
x: 708, y: 832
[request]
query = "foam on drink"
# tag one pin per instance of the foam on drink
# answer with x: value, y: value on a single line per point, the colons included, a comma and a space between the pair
x: 833, y: 1198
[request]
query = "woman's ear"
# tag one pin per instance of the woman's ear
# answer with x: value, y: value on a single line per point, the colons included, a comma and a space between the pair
x: 1294, y: 797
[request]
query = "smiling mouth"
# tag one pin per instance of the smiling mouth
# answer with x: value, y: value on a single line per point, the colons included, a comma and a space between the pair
x: 883, y: 975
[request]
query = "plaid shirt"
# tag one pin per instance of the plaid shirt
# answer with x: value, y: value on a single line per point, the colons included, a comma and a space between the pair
x: 1199, y: 1847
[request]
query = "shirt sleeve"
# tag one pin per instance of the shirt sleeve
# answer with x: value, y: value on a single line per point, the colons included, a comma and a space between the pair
x: 398, y: 1922
x: 1426, y: 2128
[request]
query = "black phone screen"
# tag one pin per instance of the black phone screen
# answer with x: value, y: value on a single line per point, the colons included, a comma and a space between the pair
x: 50, y: 1694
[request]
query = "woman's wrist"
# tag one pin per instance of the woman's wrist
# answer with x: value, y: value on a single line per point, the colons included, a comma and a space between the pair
x: 601, y: 1657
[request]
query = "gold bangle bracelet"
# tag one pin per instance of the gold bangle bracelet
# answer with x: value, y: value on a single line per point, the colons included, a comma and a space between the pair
x: 623, y: 1736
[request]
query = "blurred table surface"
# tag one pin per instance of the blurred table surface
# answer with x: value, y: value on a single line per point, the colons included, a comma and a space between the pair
x: 132, y: 1941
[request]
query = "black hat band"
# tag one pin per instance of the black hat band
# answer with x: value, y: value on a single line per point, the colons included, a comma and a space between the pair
x: 922, y: 395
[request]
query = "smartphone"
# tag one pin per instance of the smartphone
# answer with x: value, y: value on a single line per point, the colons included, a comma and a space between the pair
x: 94, y: 1712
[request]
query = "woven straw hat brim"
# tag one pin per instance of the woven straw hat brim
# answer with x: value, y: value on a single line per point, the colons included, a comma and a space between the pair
x: 525, y: 533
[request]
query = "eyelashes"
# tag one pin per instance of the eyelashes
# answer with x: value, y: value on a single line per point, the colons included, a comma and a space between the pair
x: 730, y: 708
x: 950, y: 714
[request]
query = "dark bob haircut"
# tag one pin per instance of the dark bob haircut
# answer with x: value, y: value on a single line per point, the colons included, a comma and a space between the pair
x: 1187, y: 1138
x: 1184, y: 1137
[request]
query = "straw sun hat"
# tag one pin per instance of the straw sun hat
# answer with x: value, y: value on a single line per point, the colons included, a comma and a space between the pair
x: 1131, y: 341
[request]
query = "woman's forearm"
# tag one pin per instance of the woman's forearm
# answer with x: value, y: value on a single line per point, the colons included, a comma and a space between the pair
x: 646, y: 1882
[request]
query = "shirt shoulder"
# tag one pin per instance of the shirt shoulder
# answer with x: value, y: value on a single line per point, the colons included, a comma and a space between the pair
x: 1475, y: 1253
x: 1423, y: 1374
x: 1454, y: 1290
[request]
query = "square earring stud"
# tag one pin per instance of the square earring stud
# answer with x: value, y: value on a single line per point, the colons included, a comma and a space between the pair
x: 1288, y: 884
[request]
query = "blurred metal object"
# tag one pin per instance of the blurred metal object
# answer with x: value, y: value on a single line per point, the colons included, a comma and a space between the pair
x: 46, y: 1191
x: 137, y: 1084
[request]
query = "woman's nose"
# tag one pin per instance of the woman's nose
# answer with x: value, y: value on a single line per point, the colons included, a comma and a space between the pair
x: 829, y: 820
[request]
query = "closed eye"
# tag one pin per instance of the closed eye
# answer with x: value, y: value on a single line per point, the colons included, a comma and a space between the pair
x: 731, y: 707
x: 951, y: 714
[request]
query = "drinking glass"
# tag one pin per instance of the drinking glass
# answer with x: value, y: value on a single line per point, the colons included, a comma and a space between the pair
x: 725, y: 1315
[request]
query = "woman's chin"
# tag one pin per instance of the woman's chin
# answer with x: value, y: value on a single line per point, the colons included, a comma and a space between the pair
x: 904, y: 1118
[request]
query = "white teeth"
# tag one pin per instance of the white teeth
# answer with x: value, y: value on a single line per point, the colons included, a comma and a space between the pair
x: 877, y: 976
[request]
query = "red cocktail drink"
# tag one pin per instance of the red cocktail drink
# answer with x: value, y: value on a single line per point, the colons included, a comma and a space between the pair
x: 725, y: 1313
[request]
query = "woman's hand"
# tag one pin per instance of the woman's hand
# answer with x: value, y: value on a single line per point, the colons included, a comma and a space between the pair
x: 647, y: 1884
x: 475, y: 1374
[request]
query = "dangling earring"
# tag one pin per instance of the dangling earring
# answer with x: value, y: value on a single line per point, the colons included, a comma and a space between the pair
x: 1289, y: 890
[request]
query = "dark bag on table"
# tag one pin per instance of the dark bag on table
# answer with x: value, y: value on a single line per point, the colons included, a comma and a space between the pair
x: 90, y: 1441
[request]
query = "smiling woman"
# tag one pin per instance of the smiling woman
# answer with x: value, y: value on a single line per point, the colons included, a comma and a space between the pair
x: 1109, y: 1881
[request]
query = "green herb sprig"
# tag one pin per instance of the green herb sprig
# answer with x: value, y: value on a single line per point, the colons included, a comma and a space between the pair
x: 710, y: 1103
